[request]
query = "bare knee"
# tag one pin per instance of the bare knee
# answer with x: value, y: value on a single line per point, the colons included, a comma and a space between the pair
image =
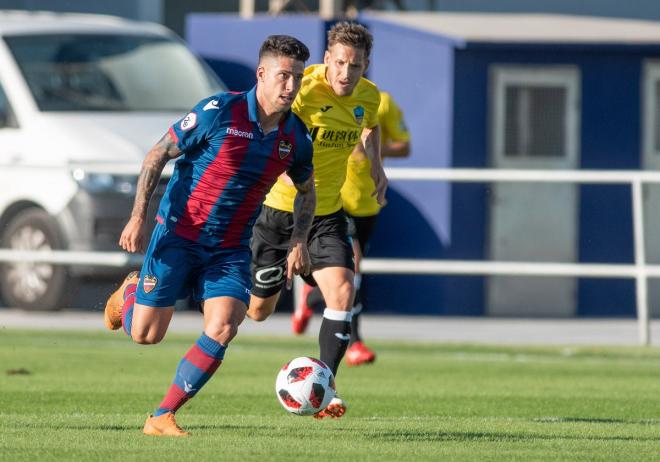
x: 261, y: 308
x: 341, y: 297
x: 258, y: 314
x: 147, y: 338
x: 150, y: 324
x: 222, y: 332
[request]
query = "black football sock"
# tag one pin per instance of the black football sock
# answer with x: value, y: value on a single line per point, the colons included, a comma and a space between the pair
x: 357, y: 309
x: 334, y: 336
x: 355, y: 324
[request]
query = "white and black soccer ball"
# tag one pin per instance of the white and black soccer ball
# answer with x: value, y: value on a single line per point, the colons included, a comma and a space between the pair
x: 305, y: 386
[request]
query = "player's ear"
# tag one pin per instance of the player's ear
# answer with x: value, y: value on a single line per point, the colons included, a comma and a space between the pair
x: 326, y: 57
x: 261, y: 73
x: 366, y: 65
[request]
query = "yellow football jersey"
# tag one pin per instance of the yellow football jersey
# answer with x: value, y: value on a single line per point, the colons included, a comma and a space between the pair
x: 357, y: 191
x: 335, y: 124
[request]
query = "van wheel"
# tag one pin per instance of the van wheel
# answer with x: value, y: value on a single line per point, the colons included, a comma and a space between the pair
x: 31, y: 285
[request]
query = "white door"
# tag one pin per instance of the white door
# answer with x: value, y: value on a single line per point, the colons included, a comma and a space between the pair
x: 651, y: 161
x: 535, y: 120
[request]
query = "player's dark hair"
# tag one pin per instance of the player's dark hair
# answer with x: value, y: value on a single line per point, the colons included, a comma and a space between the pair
x: 284, y: 45
x: 351, y: 34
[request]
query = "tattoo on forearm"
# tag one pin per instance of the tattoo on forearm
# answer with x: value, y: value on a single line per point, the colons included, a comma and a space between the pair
x: 304, y: 206
x: 146, y: 185
x: 149, y: 176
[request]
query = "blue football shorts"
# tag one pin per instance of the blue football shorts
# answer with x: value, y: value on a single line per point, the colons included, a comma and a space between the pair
x: 175, y: 267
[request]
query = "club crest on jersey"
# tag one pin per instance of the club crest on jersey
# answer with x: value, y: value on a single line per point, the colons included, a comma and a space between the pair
x: 358, y: 112
x: 188, y: 121
x: 284, y: 148
x: 149, y: 283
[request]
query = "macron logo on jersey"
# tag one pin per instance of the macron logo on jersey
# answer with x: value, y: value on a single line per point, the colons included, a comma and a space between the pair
x: 239, y: 133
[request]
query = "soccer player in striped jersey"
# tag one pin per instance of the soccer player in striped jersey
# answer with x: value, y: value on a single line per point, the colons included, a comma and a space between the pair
x: 362, y: 210
x: 231, y: 148
x: 339, y: 106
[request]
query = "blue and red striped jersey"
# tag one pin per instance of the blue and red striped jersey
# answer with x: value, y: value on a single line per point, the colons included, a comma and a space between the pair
x: 227, y: 167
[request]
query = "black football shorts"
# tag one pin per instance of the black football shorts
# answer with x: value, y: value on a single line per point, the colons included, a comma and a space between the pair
x: 362, y: 228
x: 329, y: 245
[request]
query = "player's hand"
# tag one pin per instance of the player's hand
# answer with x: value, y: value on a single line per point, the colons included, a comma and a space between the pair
x: 380, y: 180
x: 132, y: 237
x: 298, y: 262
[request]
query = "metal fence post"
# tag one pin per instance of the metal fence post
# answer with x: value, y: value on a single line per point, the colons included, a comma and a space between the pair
x: 641, y: 284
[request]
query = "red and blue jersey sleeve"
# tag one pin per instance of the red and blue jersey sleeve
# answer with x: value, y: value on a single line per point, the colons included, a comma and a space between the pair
x: 301, y: 168
x: 193, y: 129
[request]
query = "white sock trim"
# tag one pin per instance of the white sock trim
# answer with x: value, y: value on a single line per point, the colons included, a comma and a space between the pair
x: 336, y: 315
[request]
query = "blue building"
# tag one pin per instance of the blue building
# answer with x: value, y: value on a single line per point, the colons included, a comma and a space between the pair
x: 500, y: 91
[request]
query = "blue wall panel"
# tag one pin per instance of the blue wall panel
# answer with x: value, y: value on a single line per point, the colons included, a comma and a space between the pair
x: 606, y: 237
x: 611, y: 131
x: 468, y: 205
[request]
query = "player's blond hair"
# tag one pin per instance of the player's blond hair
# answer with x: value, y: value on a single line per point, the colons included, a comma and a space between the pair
x: 351, y: 34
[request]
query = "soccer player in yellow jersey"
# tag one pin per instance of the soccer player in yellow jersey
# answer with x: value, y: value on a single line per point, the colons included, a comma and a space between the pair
x: 340, y: 109
x: 362, y: 210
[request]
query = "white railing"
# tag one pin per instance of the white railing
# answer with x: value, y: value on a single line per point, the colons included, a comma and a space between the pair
x: 640, y: 271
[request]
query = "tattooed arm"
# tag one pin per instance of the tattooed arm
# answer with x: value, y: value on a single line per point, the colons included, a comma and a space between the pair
x: 132, y: 237
x: 304, y: 206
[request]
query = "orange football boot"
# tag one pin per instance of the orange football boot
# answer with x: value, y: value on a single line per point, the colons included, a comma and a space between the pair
x: 115, y: 303
x: 163, y: 425
x: 335, y: 409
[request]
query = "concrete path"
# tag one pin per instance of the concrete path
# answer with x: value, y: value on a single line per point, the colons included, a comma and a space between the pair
x: 408, y: 328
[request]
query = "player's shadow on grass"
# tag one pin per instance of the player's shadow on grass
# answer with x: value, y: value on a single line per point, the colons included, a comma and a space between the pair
x: 193, y: 427
x: 597, y: 420
x: 440, y: 436
x: 114, y: 428
x: 132, y: 428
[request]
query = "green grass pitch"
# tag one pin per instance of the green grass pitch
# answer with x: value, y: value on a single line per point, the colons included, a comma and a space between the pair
x: 84, y: 396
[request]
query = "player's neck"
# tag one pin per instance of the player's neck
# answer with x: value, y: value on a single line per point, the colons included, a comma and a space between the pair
x: 268, y: 122
x: 267, y: 116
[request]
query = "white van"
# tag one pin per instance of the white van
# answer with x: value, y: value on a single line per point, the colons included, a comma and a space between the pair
x: 82, y: 99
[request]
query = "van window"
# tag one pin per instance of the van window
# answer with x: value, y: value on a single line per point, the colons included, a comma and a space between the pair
x: 85, y: 72
x: 7, y: 118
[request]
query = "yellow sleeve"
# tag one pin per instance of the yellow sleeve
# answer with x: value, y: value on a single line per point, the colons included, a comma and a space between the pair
x: 372, y: 110
x: 390, y: 116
